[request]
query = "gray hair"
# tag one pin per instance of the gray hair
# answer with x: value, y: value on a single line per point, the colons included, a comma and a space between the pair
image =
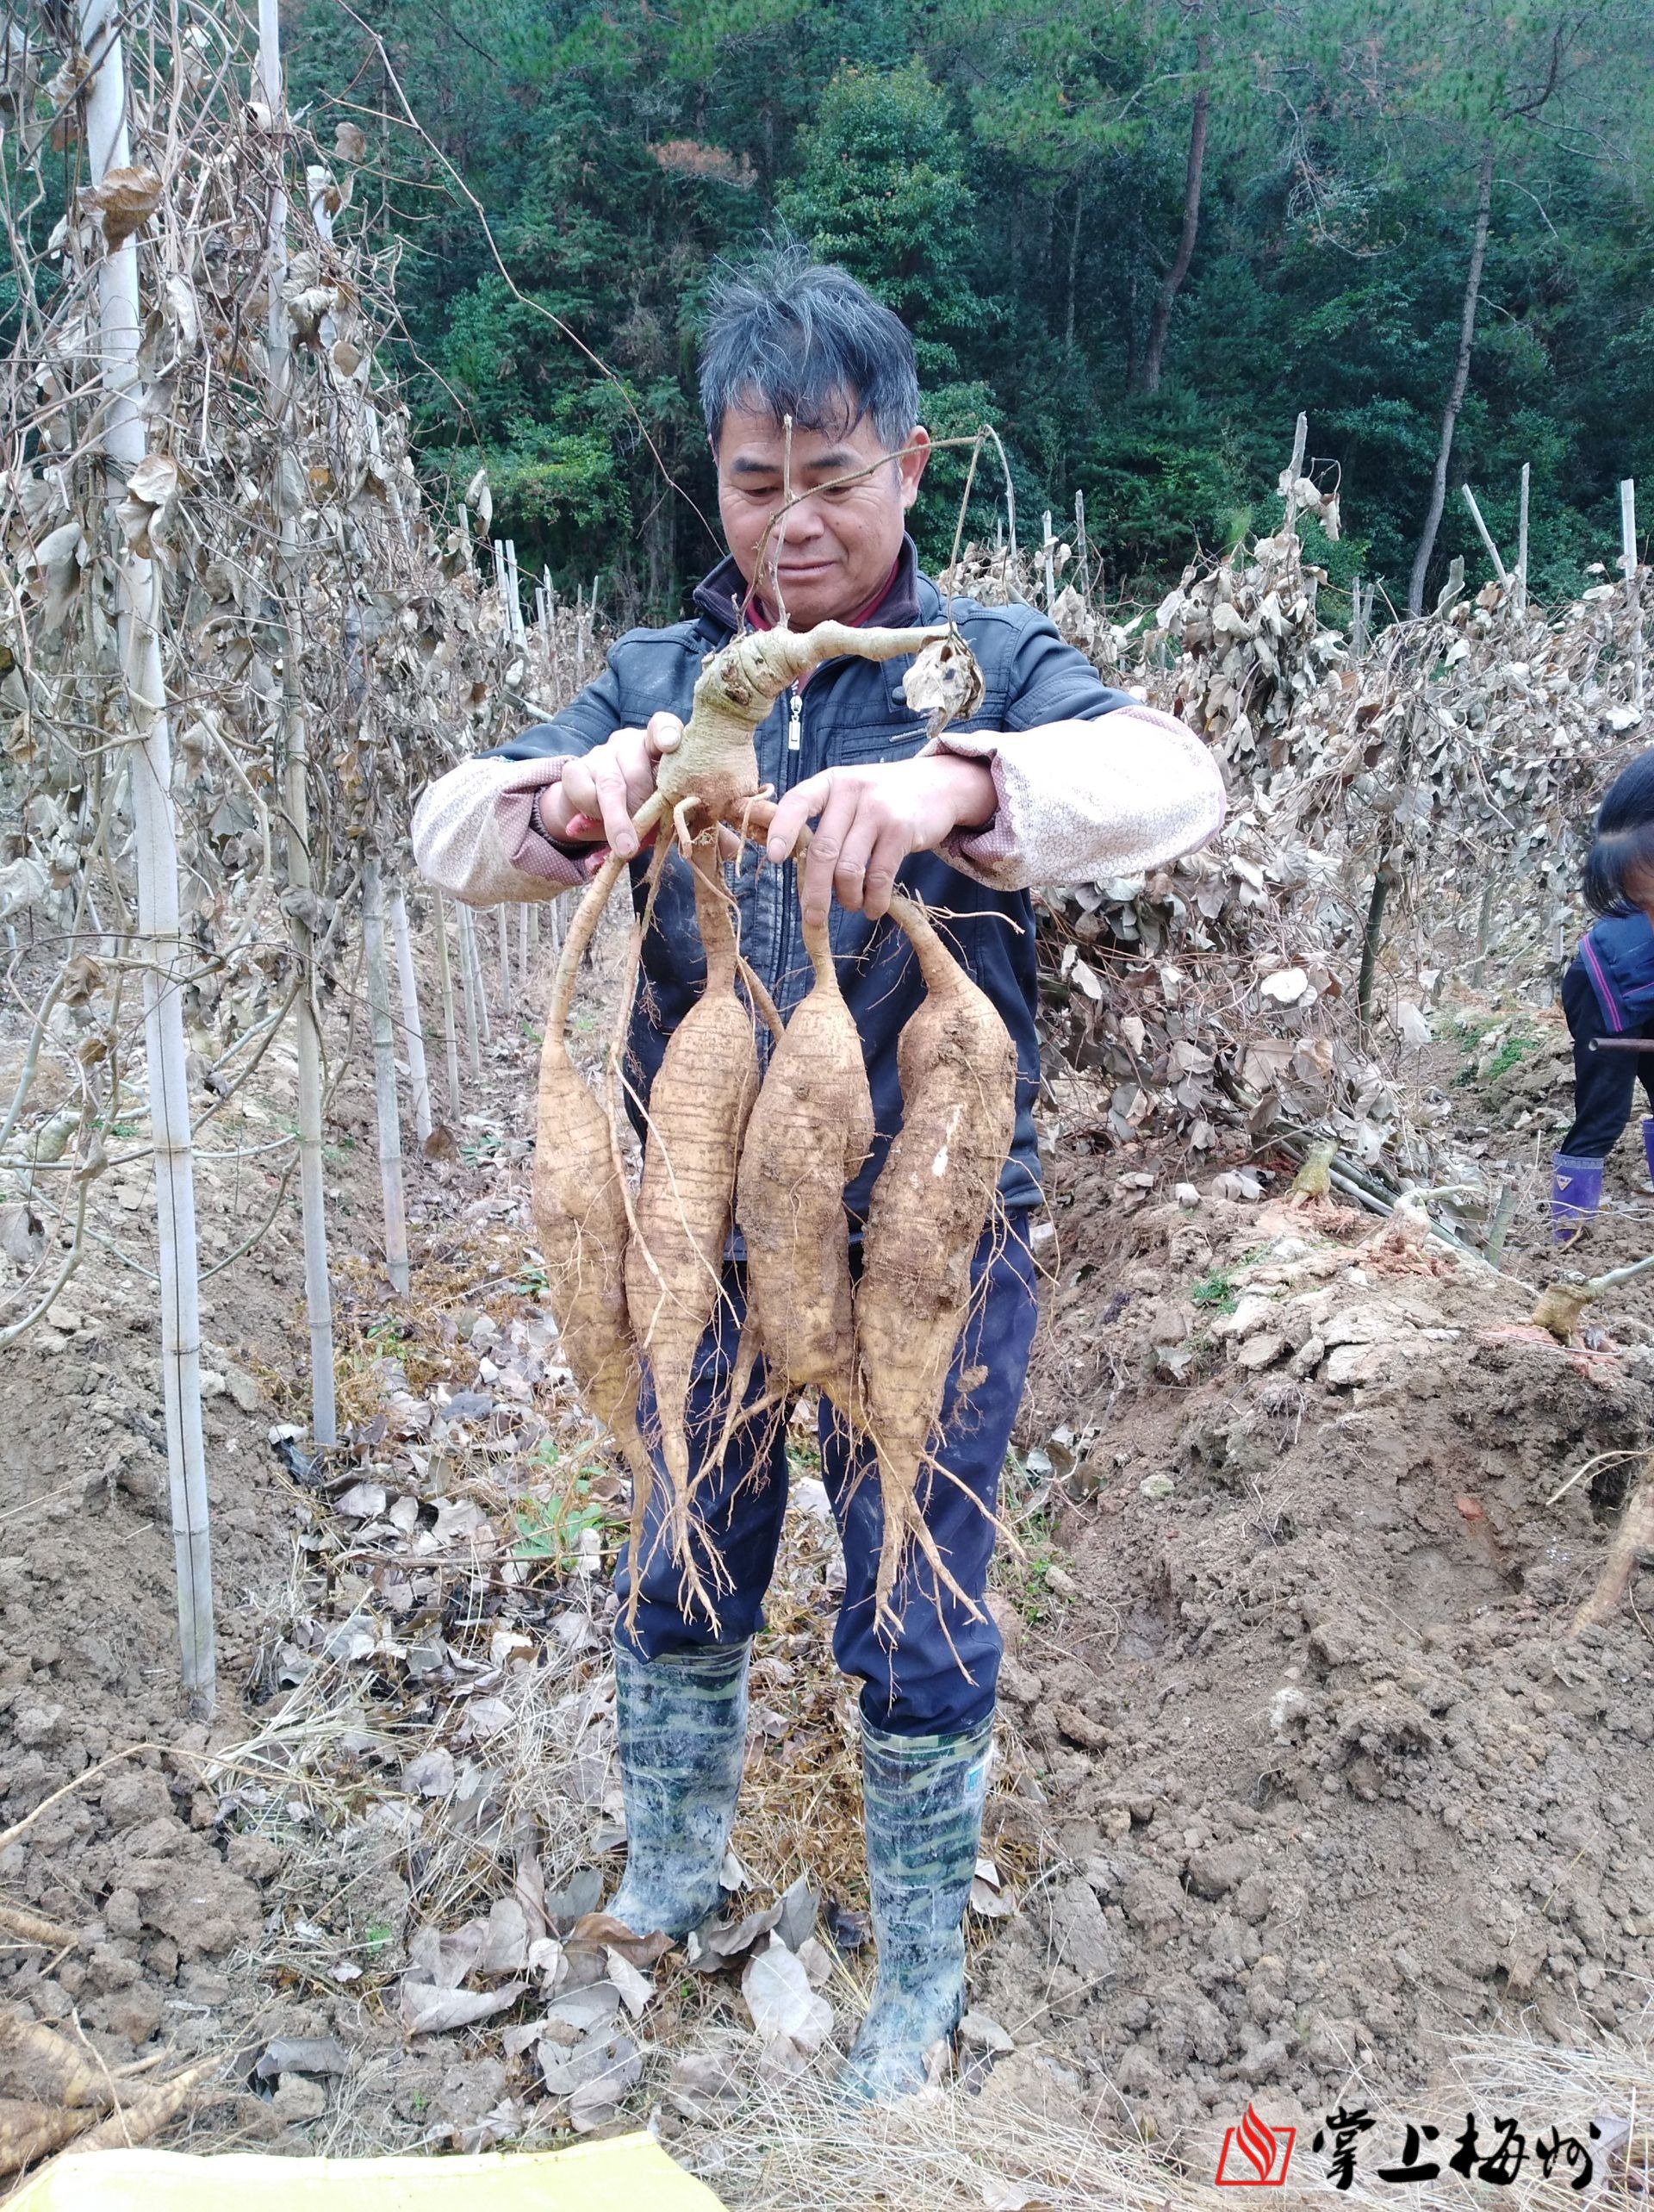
x: 801, y: 338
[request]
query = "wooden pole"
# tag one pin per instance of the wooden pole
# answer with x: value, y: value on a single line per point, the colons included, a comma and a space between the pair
x: 1521, y: 542
x: 155, y: 837
x: 383, y: 1034
x: 1047, y: 545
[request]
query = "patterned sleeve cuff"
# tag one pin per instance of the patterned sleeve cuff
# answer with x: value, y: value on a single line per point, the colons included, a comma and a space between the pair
x: 978, y: 852
x: 522, y: 842
x: 1111, y: 794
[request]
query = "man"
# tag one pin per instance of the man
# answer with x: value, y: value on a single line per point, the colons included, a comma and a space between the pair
x: 1055, y: 777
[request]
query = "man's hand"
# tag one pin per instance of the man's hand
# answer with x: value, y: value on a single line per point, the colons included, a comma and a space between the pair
x: 869, y: 820
x: 601, y: 790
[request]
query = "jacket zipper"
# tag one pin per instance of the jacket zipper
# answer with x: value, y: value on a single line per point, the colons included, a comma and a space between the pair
x: 790, y: 764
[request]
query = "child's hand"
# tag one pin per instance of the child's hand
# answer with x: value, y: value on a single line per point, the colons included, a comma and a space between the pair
x: 601, y: 790
x: 869, y: 820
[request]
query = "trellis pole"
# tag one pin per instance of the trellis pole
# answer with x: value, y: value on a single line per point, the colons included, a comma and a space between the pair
x: 295, y: 801
x: 450, y: 1030
x: 383, y: 1034
x: 156, y: 853
x: 466, y: 931
x: 1633, y: 590
x: 412, y: 1026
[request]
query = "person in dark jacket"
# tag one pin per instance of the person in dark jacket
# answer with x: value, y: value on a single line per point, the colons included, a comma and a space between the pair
x: 1055, y: 777
x: 1607, y: 993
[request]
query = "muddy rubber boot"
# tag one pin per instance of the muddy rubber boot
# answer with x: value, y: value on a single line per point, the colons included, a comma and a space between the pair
x: 682, y: 1723
x: 1576, y: 1193
x: 922, y: 1798
x: 1648, y: 1144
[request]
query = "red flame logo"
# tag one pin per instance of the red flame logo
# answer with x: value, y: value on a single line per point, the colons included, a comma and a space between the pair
x: 1255, y: 2143
x: 1259, y: 2145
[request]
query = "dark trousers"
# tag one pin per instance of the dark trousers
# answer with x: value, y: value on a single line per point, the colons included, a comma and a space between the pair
x: 1605, y: 1083
x: 936, y: 1674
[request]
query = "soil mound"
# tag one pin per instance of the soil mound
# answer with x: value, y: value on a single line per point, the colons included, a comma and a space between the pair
x: 1329, y: 1783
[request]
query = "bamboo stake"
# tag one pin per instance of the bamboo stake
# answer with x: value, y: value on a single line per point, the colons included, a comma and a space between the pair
x: 468, y: 991
x: 523, y: 913
x: 513, y: 581
x: 1633, y: 595
x: 1295, y: 469
x: 485, y: 1023
x: 449, y: 1033
x: 412, y: 1026
x: 156, y: 844
x: 1521, y: 541
x: 384, y: 1077
x: 502, y: 915
x: 1486, y: 536
x: 296, y: 807
x: 1047, y: 547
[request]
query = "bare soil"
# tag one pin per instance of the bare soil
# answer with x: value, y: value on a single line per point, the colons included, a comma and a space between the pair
x: 1303, y: 1781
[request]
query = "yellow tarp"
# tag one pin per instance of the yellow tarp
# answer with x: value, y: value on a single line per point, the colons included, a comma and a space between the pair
x: 629, y: 2173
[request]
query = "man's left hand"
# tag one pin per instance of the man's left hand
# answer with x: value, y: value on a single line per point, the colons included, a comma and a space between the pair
x: 869, y: 820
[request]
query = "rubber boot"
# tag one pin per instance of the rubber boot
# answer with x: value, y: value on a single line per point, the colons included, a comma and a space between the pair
x: 681, y: 1722
x: 1648, y: 1143
x: 1576, y: 1193
x: 923, y: 1799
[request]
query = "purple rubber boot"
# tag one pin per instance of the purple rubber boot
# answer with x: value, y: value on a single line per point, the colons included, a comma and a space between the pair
x: 1576, y: 1193
x: 1648, y: 1143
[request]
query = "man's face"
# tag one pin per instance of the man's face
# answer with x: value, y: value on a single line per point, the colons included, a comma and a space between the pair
x: 835, y: 548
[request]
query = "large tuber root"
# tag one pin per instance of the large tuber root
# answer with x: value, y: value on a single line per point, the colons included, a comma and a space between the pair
x: 30, y: 2132
x: 929, y: 1209
x: 578, y: 1202
x: 810, y: 1133
x: 1634, y: 1535
x: 31, y: 2048
x: 642, y: 1280
x: 698, y: 1109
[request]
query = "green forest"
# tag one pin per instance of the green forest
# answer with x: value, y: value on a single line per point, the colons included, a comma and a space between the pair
x: 1136, y: 236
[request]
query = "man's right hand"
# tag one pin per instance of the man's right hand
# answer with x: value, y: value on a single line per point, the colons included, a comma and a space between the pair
x: 601, y: 790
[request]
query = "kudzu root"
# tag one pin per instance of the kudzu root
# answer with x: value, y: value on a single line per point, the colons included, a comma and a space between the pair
x: 579, y: 1204
x: 698, y: 1109
x: 929, y: 1209
x: 809, y: 1137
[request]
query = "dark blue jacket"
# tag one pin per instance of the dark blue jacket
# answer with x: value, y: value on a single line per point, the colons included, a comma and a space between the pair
x: 851, y: 711
x: 1617, y: 955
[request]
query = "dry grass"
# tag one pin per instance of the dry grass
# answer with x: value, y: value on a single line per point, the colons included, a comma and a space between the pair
x: 792, y: 2147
